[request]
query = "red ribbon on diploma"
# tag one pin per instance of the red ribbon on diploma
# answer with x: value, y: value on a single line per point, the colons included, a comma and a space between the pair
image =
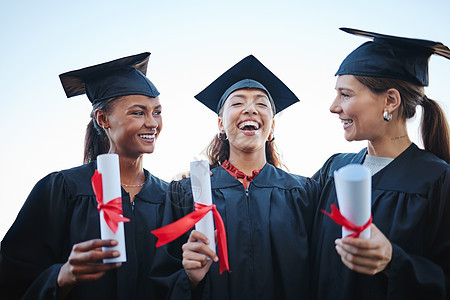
x: 339, y: 219
x: 112, y: 211
x: 172, y: 231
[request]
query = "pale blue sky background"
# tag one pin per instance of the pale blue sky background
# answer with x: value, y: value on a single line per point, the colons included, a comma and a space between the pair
x: 192, y: 42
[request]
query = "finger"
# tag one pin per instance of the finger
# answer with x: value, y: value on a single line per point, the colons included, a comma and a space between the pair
x: 89, y: 277
x: 194, y: 255
x: 198, y: 236
x: 357, y: 242
x: 360, y: 269
x: 93, y: 269
x: 200, y: 248
x: 90, y: 257
x: 93, y: 244
x: 195, y: 264
x: 366, y: 265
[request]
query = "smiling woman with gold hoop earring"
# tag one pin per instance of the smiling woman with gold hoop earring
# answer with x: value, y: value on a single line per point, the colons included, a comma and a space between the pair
x: 54, y: 250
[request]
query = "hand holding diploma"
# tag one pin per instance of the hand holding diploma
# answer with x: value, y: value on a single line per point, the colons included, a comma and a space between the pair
x: 196, y: 254
x: 354, y: 193
x: 367, y: 256
x: 201, y: 189
x: 363, y: 248
x: 83, y: 264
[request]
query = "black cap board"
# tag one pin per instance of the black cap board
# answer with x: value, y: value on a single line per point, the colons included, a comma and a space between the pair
x: 120, y: 77
x: 391, y: 57
x: 247, y: 73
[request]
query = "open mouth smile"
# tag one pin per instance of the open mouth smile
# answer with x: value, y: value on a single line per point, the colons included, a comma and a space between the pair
x: 347, y: 123
x: 150, y: 138
x: 249, y: 127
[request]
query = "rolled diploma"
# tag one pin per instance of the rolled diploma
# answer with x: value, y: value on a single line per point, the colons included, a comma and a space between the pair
x: 108, y: 166
x: 201, y: 191
x: 354, y: 192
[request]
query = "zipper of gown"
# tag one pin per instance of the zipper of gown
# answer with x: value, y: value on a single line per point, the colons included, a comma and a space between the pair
x: 252, y: 284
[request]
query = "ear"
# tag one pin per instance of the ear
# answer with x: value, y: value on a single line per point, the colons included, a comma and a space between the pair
x: 220, y: 125
x: 393, y: 100
x: 101, y: 118
x: 272, y: 127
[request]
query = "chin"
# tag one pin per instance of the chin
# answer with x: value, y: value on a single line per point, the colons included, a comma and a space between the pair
x: 148, y: 150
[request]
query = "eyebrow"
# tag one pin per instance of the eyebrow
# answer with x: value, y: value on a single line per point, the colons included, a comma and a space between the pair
x: 262, y: 95
x: 343, y: 89
x: 143, y: 106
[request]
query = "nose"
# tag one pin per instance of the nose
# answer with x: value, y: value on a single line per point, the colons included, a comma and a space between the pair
x: 150, y: 122
x: 250, y: 108
x: 336, y: 106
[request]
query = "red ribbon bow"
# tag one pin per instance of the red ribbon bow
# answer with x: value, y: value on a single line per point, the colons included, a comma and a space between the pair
x: 339, y: 219
x: 172, y: 231
x: 112, y: 211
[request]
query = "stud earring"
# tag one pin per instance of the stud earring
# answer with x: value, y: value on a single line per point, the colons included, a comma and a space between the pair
x: 387, y: 117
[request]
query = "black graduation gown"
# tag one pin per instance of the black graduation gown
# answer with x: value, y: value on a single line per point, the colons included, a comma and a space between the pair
x: 61, y: 211
x: 268, y: 227
x: 411, y: 206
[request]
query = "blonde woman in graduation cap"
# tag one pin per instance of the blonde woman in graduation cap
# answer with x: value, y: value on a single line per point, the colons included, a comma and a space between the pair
x: 379, y: 86
x: 267, y: 212
x: 53, y: 249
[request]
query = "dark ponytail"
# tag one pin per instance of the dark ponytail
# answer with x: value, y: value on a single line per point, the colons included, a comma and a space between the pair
x: 434, y: 124
x: 96, y: 141
x: 434, y: 129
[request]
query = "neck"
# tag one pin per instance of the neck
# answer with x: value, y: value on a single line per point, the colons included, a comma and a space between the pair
x: 248, y: 161
x: 393, y: 142
x: 131, y: 170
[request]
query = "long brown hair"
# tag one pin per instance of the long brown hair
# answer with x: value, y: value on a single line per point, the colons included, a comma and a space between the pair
x: 434, y: 125
x: 96, y: 141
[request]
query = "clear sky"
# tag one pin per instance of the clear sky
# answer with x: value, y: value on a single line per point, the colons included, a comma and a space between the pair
x: 192, y: 43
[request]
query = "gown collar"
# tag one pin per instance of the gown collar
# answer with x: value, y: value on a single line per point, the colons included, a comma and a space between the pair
x: 236, y: 173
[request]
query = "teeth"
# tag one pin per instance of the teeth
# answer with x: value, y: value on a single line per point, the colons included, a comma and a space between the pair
x: 249, y: 123
x: 147, y: 136
x: 346, y: 122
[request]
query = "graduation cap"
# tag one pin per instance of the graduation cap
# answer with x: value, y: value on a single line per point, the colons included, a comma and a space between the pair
x: 391, y: 57
x: 246, y: 74
x: 120, y: 77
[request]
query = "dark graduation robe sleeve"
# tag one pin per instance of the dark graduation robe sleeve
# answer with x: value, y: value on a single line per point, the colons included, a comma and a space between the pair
x: 425, y: 270
x: 167, y: 272
x: 41, y: 226
x: 410, y: 205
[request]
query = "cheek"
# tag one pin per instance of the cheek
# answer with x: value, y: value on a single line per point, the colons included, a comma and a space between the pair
x: 227, y: 121
x: 160, y: 124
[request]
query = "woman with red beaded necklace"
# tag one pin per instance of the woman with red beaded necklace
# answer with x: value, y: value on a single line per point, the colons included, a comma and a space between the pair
x: 267, y: 212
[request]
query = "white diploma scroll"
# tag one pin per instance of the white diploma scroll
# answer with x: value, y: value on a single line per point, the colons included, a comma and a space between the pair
x: 201, y: 191
x: 354, y: 193
x: 108, y: 166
